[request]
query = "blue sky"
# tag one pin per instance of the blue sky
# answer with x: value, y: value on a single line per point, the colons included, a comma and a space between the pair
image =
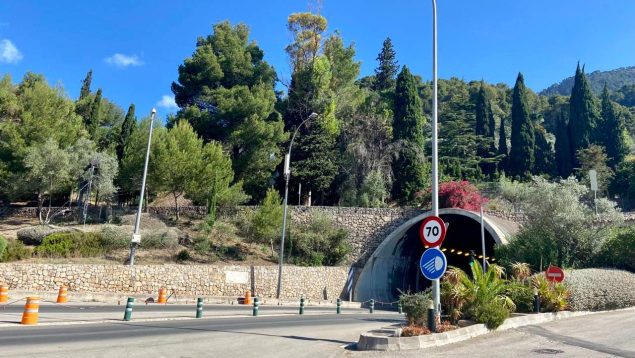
x: 135, y: 47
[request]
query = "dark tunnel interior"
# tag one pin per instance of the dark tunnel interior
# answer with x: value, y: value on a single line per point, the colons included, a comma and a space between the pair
x: 463, y: 236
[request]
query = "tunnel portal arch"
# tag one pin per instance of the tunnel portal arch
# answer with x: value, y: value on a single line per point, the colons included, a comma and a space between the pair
x: 394, y: 266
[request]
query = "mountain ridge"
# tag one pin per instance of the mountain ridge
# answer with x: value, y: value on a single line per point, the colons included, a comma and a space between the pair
x: 615, y: 79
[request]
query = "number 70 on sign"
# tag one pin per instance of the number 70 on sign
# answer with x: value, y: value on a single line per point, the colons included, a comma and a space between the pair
x: 432, y: 231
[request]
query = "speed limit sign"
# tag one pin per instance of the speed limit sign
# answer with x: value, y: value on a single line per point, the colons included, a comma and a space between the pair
x: 432, y: 231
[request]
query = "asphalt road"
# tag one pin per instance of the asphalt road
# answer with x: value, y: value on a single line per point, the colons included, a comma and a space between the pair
x: 298, y: 336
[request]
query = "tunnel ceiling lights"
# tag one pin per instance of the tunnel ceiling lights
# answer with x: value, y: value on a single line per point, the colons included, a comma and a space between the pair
x: 461, y: 253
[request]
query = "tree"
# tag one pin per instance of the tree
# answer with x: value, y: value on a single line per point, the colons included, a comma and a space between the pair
x: 388, y: 67
x: 127, y: 127
x: 594, y: 157
x: 226, y: 92
x: 582, y: 114
x: 563, y: 149
x: 85, y: 90
x: 521, y: 156
x: 544, y: 154
x: 307, y: 30
x: 610, y: 131
x: 92, y: 122
x: 408, y: 165
x: 131, y: 166
x: 485, y: 130
x: 177, y: 159
x: 502, y: 146
x: 48, y: 172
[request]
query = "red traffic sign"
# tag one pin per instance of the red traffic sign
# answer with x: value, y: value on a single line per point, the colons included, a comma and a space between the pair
x: 432, y: 231
x: 554, y: 274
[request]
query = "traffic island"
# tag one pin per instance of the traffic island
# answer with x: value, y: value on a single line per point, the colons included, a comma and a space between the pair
x: 390, y: 339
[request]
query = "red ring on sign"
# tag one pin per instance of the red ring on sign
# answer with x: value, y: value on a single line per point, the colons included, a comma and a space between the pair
x: 423, y: 225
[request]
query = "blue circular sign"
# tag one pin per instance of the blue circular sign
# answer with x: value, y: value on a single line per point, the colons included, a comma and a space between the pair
x: 433, y: 263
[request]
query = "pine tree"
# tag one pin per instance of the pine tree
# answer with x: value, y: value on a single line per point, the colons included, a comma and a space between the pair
x: 582, y: 114
x: 409, y: 164
x: 563, y: 148
x: 127, y: 127
x: 92, y: 122
x: 502, y: 146
x: 521, y: 155
x: 85, y: 91
x: 610, y: 131
x: 387, y: 70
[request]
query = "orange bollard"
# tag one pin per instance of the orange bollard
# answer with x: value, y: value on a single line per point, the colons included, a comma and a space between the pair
x: 247, y: 297
x: 4, y: 293
x: 163, y: 295
x: 31, y: 310
x: 61, y: 296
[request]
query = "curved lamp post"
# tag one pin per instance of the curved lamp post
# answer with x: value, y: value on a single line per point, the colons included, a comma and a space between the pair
x: 287, y: 176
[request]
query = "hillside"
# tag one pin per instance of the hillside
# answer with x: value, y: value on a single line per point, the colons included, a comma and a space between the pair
x: 615, y: 80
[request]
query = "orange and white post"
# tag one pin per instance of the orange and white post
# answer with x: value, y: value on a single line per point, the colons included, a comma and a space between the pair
x: 31, y: 310
x: 4, y: 293
x: 62, y: 295
x: 163, y: 295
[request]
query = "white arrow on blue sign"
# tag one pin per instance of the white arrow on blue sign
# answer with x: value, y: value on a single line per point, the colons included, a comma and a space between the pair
x: 433, y: 263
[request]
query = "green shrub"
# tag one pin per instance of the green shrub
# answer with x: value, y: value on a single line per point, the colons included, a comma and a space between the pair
x: 3, y: 245
x: 115, y: 237
x: 554, y: 297
x: 415, y: 306
x: 183, y: 255
x: 35, y: 234
x: 267, y: 220
x: 318, y: 243
x: 522, y: 295
x: 492, y: 314
x: 618, y: 251
x: 16, y: 251
x: 71, y: 244
x: 160, y: 239
x: 202, y: 245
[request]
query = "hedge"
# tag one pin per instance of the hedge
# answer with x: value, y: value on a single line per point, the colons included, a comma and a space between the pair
x: 600, y: 289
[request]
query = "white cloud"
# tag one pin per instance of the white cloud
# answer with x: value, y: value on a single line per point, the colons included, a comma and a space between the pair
x: 8, y: 52
x: 121, y: 60
x: 167, y: 102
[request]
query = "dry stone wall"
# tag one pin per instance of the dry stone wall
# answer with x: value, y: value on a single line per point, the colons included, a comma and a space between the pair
x: 315, y: 283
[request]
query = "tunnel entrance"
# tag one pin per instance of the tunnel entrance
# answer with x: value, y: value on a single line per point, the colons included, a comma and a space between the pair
x: 394, y: 266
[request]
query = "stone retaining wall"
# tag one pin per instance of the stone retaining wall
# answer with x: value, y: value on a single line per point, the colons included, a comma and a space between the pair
x: 317, y: 283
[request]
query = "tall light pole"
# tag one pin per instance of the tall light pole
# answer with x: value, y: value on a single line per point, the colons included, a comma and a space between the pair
x: 287, y: 176
x: 136, y: 236
x: 436, y: 292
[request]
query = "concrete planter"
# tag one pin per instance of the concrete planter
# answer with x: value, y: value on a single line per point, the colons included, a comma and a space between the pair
x: 388, y: 339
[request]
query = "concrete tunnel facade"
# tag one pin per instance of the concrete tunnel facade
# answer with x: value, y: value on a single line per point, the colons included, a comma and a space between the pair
x: 394, y: 266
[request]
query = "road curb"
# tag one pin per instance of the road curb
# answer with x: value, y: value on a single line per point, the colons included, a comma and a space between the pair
x: 387, y: 339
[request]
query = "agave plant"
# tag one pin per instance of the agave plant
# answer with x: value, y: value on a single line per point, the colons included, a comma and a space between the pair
x: 521, y: 271
x: 553, y: 295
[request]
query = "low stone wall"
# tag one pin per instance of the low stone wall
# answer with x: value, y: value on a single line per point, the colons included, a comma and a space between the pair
x: 316, y: 283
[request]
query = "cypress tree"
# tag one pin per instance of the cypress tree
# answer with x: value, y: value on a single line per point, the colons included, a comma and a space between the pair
x: 521, y: 155
x: 387, y: 69
x: 408, y: 120
x: 610, y: 131
x: 408, y: 167
x: 127, y: 127
x: 85, y: 91
x: 92, y: 122
x: 502, y: 146
x: 563, y: 148
x: 544, y: 154
x: 582, y: 114
x: 485, y: 129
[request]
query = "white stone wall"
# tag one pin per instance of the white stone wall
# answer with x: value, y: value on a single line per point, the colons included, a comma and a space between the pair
x: 188, y: 280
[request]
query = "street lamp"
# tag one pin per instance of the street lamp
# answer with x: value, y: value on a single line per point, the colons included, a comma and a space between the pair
x: 436, y: 292
x: 136, y: 236
x: 287, y: 176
